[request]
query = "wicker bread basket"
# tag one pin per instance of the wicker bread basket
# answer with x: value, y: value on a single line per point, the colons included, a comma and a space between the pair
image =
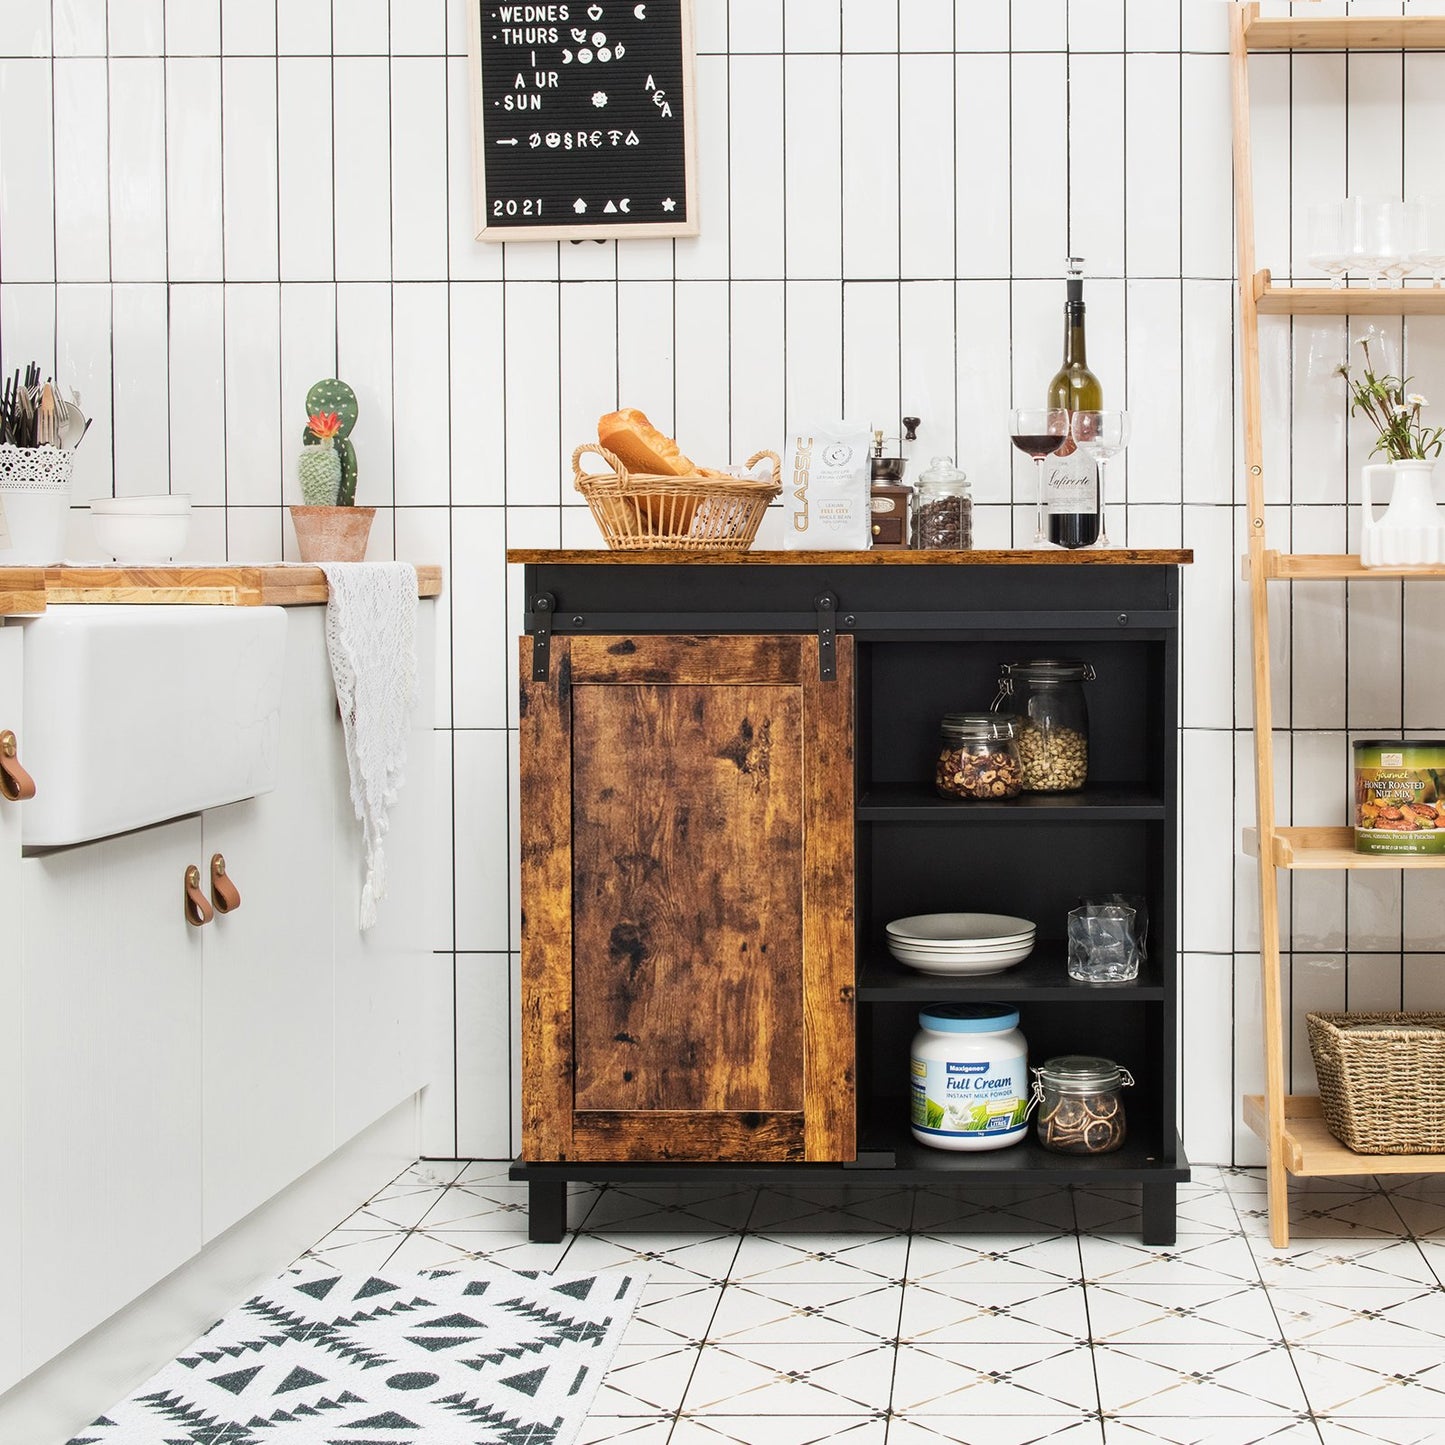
x: 1382, y: 1080
x: 637, y: 511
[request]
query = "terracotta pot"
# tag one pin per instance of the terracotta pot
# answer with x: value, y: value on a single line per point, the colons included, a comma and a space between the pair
x: 332, y: 534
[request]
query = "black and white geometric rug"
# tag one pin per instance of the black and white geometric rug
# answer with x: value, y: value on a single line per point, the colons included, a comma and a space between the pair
x: 485, y: 1357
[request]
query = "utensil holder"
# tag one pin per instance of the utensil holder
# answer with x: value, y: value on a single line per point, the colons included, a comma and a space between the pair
x: 35, y: 492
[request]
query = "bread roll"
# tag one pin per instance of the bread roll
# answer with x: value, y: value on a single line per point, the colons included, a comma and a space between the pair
x: 640, y: 447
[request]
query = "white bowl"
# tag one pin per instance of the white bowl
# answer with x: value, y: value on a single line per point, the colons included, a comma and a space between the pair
x: 965, y: 928
x: 140, y: 529
x: 163, y: 504
x: 958, y: 965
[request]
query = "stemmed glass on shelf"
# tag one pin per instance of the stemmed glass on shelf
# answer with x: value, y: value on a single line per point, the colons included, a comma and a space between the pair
x: 1039, y: 432
x: 1101, y: 435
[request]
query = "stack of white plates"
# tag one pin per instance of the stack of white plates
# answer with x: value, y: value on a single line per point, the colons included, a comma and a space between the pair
x: 961, y: 943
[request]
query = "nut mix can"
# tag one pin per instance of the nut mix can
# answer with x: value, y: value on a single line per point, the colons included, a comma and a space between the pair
x: 1399, y: 796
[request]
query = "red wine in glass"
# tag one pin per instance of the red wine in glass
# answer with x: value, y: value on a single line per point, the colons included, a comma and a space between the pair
x: 1039, y: 434
x: 1039, y: 445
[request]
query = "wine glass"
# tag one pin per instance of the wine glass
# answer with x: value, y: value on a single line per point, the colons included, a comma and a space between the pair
x: 1430, y: 243
x: 1039, y: 433
x: 1101, y: 435
x: 1328, y: 251
x: 1401, y: 225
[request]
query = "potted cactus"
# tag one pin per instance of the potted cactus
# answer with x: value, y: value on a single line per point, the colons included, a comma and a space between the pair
x: 330, y: 527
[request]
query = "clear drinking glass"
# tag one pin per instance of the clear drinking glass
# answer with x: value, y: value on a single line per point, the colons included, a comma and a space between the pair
x: 1401, y: 223
x: 1039, y: 433
x: 1101, y: 435
x: 1101, y: 944
x: 1430, y: 243
x: 1328, y: 250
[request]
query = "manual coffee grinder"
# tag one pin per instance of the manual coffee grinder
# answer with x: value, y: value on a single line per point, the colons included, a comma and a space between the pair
x: 891, y: 496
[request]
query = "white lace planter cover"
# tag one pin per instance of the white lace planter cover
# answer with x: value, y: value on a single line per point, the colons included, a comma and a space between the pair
x: 35, y: 495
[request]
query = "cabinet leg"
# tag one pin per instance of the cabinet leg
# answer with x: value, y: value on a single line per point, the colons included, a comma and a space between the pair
x: 1159, y: 1213
x: 546, y: 1210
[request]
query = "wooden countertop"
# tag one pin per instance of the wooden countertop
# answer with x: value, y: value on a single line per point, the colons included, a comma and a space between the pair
x: 883, y: 557
x: 283, y: 584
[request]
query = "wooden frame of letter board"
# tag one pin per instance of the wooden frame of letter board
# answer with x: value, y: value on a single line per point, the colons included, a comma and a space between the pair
x: 583, y: 231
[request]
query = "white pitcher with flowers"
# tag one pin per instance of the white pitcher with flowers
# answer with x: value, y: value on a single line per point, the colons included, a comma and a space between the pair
x: 1412, y: 531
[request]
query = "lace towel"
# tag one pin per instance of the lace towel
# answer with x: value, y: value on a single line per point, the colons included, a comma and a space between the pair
x: 371, y: 638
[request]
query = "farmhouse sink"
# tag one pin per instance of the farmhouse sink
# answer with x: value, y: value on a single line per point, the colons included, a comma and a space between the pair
x: 134, y: 715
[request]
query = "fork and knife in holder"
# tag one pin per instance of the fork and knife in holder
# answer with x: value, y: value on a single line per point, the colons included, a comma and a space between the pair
x: 33, y: 414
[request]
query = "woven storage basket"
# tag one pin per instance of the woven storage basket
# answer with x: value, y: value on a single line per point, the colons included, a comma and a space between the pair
x: 638, y: 511
x: 1382, y: 1080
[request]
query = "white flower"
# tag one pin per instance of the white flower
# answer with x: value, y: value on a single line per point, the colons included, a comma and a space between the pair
x: 1415, y: 399
x: 1399, y: 410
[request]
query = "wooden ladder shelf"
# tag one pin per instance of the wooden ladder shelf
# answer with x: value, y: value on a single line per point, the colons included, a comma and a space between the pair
x: 1291, y: 1126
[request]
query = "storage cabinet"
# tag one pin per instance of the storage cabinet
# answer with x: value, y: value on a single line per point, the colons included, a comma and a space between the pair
x: 687, y: 841
x: 661, y: 1038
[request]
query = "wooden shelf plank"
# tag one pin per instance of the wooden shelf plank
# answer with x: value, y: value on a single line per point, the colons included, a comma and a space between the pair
x: 1273, y: 299
x: 1310, y: 1148
x: 1330, y: 848
x: 22, y: 590
x: 903, y: 557
x: 1344, y: 567
x: 1345, y: 32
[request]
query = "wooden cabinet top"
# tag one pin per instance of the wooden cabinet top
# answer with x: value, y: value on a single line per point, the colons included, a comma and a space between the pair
x: 903, y: 557
x: 283, y: 584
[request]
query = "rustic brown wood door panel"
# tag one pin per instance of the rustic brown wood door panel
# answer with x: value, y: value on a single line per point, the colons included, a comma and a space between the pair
x: 687, y: 948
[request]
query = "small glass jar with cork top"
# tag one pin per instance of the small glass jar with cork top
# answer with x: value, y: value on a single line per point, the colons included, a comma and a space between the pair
x: 943, y: 509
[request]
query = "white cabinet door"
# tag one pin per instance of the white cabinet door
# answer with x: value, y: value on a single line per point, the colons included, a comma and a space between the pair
x: 112, y: 1106
x: 382, y: 975
x: 268, y: 965
x: 10, y: 1078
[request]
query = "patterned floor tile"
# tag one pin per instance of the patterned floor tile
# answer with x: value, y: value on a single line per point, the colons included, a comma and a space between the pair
x: 1200, y: 1381
x: 1001, y: 1259
x: 863, y: 1259
x: 645, y: 1380
x: 1250, y: 1430
x: 807, y: 1314
x: 975, y: 1379
x: 994, y: 1430
x: 1342, y: 1262
x: 1181, y: 1314
x: 624, y: 1430
x: 664, y: 1258
x: 1351, y: 1215
x: 806, y: 1380
x: 1046, y: 1315
x: 479, y: 1206
x: 353, y: 1250
x: 1210, y: 1258
x: 871, y: 1212
x: 662, y: 1210
x: 1378, y: 1431
x: 485, y: 1171
x: 1388, y: 1381
x: 673, y: 1314
x: 1346, y: 1315
x: 1423, y: 1213
x: 435, y: 1173
x: 442, y: 1250
x: 780, y: 1430
x: 994, y: 1212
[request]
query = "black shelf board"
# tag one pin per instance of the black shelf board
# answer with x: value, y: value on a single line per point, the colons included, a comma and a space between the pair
x: 1094, y: 803
x: 1043, y: 977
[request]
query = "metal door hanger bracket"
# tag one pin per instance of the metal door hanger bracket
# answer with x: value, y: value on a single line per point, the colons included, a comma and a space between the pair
x: 827, y: 607
x: 543, y: 606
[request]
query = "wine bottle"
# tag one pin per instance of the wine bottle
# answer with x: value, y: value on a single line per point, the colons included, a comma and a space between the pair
x: 1071, y: 483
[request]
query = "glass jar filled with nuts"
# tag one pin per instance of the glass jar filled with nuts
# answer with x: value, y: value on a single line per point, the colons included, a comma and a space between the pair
x: 979, y: 757
x: 1047, y: 694
x: 1081, y: 1104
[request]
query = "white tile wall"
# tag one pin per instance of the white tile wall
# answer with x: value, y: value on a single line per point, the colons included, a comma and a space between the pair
x: 207, y: 204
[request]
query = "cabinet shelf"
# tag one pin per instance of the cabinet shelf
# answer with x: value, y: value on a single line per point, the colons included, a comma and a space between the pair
x: 1097, y: 802
x: 1309, y: 1147
x: 1272, y: 299
x: 1343, y: 32
x: 1327, y: 848
x: 1337, y: 567
x: 1041, y: 978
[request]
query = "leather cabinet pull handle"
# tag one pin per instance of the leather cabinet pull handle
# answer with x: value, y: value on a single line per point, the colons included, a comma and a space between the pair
x: 225, y: 896
x: 15, y: 783
x: 198, y: 907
